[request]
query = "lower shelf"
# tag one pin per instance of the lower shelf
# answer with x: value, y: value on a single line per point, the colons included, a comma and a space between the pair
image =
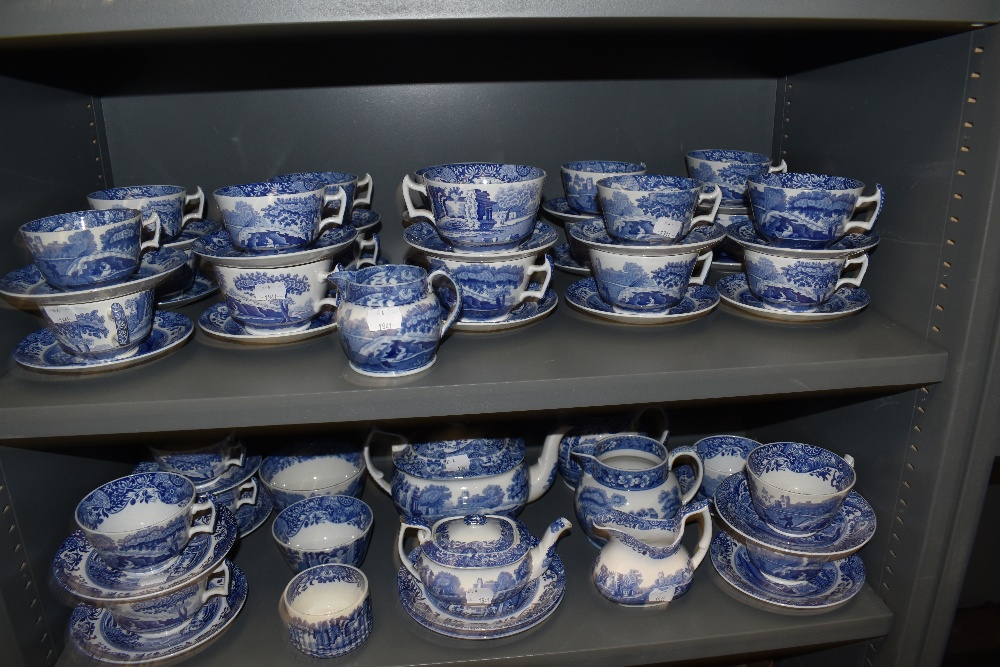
x: 711, y: 621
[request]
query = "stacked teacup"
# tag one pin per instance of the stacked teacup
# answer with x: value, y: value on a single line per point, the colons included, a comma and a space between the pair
x: 804, y: 250
x: 645, y: 249
x: 148, y: 564
x: 273, y: 257
x: 481, y: 229
x: 794, y: 524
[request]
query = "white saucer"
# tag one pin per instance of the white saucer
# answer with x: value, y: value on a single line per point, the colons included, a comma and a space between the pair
x: 81, y: 572
x: 845, y: 302
x: 217, y: 323
x: 560, y: 209
x: 547, y: 597
x: 96, y: 633
x: 699, y: 300
x: 837, y: 582
x: 39, y: 350
x: 522, y: 315
x: 252, y: 517
x: 593, y: 234
x: 563, y: 260
x: 26, y: 285
x: 423, y: 236
x: 218, y: 248
x: 202, y: 287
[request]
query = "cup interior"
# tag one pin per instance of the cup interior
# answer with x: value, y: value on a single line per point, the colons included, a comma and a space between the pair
x: 801, y: 469
x: 322, y: 522
x: 311, y: 473
x: 325, y: 590
x: 135, y: 502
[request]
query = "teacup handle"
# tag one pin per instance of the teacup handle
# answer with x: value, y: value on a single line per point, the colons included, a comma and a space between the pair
x: 195, y: 215
x: 688, y: 450
x: 337, y: 219
x: 854, y: 280
x: 700, y: 512
x: 546, y: 268
x: 422, y: 534
x: 377, y: 475
x: 715, y: 196
x: 366, y: 183
x: 849, y: 459
x: 235, y: 454
x: 411, y: 210
x: 121, y: 324
x: 779, y: 168
x: 363, y: 244
x: 457, y: 307
x: 215, y: 589
x: 207, y: 527
x: 153, y: 243
x: 866, y: 225
x: 251, y: 486
x: 706, y: 263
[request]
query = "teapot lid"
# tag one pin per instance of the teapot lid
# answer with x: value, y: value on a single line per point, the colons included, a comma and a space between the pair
x: 476, y: 540
x: 460, y: 458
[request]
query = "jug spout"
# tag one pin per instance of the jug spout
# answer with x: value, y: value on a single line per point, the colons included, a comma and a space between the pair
x: 340, y: 277
x: 541, y: 556
x: 543, y: 472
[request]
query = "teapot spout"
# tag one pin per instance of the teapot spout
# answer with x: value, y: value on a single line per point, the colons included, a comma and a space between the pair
x: 543, y: 472
x: 541, y: 556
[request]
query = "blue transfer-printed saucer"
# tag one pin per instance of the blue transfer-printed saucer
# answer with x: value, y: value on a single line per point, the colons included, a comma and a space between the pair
x: 217, y: 323
x: 852, y: 527
x: 523, y: 314
x: 363, y: 219
x: 744, y: 233
x: 96, y: 633
x: 252, y: 517
x: 423, y: 236
x: 533, y: 611
x: 560, y: 209
x: 563, y: 260
x: 27, y: 284
x: 196, y: 229
x: 593, y: 234
x: 845, y: 302
x: 698, y: 301
x: 202, y: 287
x: 39, y: 350
x: 836, y: 583
x: 232, y: 476
x: 218, y: 248
x: 82, y: 573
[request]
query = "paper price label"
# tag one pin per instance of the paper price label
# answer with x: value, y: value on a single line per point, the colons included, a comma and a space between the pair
x: 385, y: 319
x: 458, y: 462
x: 665, y: 226
x: 269, y: 291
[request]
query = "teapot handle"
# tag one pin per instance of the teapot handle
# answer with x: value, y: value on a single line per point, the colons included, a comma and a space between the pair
x: 700, y: 512
x: 688, y: 450
x: 423, y: 534
x: 377, y: 475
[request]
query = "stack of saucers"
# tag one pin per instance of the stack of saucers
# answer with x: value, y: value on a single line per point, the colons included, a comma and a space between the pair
x: 273, y: 257
x: 147, y: 570
x: 794, y: 526
x: 93, y: 280
x: 801, y: 263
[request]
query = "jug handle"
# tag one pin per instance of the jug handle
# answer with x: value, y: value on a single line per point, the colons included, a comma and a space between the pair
x: 700, y: 512
x: 377, y: 475
x: 422, y: 534
x: 457, y: 308
x: 688, y: 450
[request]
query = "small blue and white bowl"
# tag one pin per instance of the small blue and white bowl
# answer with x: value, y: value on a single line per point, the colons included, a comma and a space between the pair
x: 656, y: 207
x: 351, y: 184
x: 722, y: 456
x: 799, y: 283
x: 798, y: 488
x: 801, y: 210
x: 323, y: 529
x: 579, y: 180
x: 730, y: 169
x: 328, y: 610
x: 111, y: 328
x: 167, y: 201
x: 323, y: 468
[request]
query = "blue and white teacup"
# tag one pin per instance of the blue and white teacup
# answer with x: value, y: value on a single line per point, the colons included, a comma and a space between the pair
x: 276, y: 300
x: 730, y: 169
x: 111, y: 328
x: 478, y: 205
x: 167, y: 201
x: 167, y: 613
x: 655, y: 207
x: 277, y: 217
x: 722, y: 456
x: 87, y: 248
x: 328, y: 610
x: 785, y: 568
x: 491, y: 288
x: 647, y: 283
x: 199, y: 461
x: 797, y: 488
x: 579, y: 180
x: 323, y: 529
x: 312, y: 469
x: 799, y: 283
x: 351, y: 183
x: 142, y: 521
x: 798, y: 210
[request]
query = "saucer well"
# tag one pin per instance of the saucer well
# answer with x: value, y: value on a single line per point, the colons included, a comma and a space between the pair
x: 547, y: 597
x: 203, y: 286
x: 845, y: 302
x: 522, y: 315
x: 852, y: 527
x: 698, y: 301
x: 836, y: 583
x: 218, y: 248
x: 97, y: 634
x: 560, y: 209
x: 363, y: 219
x: 39, y: 350
x: 82, y: 573
x: 27, y: 285
x: 744, y: 233
x: 196, y: 229
x: 217, y: 323
x: 593, y: 234
x: 423, y: 236
x: 563, y: 260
